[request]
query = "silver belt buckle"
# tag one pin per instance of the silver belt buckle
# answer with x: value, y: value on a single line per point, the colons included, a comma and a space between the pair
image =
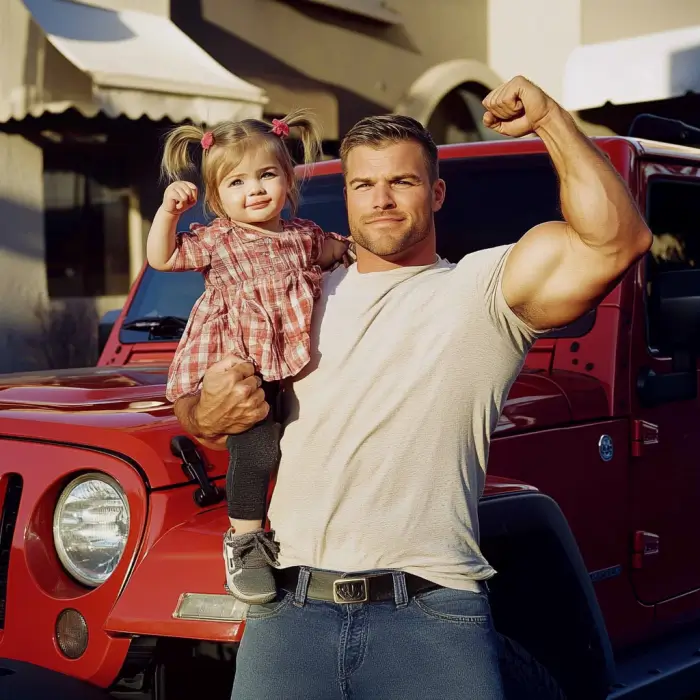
x: 351, y: 590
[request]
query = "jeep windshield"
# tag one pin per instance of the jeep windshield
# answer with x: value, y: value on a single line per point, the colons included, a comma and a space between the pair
x: 491, y: 201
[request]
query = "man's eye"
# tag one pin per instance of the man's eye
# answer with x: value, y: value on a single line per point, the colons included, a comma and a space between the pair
x: 364, y: 185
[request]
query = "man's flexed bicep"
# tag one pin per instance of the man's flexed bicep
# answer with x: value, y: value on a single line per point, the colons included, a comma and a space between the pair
x: 552, y: 277
x: 560, y: 270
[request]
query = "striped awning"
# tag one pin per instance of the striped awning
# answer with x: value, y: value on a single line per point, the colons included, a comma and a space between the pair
x: 118, y: 63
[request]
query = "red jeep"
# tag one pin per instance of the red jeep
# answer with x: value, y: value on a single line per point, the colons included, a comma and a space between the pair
x: 111, y: 520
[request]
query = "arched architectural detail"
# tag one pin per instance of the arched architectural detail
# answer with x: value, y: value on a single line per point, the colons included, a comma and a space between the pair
x: 437, y: 82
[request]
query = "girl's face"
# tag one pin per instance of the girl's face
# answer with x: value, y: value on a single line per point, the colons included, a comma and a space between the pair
x: 255, y: 191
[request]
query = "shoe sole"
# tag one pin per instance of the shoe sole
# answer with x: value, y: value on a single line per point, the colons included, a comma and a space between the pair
x: 250, y: 600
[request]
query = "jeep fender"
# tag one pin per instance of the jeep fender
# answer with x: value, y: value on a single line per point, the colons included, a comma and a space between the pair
x: 188, y: 559
x: 542, y: 595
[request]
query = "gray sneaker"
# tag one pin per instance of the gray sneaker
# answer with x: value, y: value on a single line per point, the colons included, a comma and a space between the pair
x: 249, y: 558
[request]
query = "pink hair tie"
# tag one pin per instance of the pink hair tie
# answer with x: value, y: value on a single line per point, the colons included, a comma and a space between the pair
x: 207, y: 140
x: 280, y: 128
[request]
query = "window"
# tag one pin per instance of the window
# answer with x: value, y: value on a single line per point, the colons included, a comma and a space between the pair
x: 673, y: 215
x: 86, y: 222
x: 494, y: 201
x: 490, y: 202
x: 162, y: 294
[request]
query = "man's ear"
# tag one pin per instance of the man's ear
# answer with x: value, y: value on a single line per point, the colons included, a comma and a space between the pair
x: 439, y: 190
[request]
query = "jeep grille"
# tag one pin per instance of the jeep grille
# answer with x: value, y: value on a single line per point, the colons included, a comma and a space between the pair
x: 9, y: 507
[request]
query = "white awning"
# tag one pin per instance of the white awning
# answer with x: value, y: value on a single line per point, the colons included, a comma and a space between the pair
x: 121, y: 63
x: 640, y: 69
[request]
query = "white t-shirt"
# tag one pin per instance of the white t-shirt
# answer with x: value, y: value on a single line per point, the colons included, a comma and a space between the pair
x: 385, y: 448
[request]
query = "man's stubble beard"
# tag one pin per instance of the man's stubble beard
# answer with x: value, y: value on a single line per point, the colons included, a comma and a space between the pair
x: 389, y: 244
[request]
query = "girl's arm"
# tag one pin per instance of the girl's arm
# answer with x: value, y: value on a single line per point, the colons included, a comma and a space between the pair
x: 161, y: 246
x: 333, y: 250
x: 329, y: 248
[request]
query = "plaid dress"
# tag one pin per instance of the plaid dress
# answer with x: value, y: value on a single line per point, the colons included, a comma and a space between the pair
x: 258, y: 296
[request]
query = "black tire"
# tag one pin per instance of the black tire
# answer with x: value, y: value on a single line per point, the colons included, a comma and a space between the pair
x: 524, y: 678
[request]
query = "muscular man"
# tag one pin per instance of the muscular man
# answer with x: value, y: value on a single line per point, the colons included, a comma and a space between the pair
x: 381, y: 590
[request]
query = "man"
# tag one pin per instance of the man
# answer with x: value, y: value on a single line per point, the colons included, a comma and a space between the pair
x: 386, y: 442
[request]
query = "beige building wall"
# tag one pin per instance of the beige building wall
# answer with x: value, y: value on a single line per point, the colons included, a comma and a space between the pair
x: 377, y: 62
x: 22, y: 271
x: 369, y: 66
x: 608, y: 20
x: 153, y: 7
x: 534, y: 39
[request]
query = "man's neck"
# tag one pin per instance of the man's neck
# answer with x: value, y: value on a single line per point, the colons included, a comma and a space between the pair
x: 423, y: 253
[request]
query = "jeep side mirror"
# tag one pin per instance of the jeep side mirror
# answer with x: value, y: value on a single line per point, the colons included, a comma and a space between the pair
x: 676, y: 308
x: 105, y: 328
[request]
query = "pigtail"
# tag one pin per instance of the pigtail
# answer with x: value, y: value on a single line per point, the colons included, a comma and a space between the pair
x: 304, y: 121
x: 176, y: 152
x: 310, y: 134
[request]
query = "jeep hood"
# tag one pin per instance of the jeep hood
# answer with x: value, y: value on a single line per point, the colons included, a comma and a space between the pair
x: 124, y: 410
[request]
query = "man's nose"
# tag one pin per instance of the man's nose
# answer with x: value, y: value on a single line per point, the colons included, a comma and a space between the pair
x: 383, y: 198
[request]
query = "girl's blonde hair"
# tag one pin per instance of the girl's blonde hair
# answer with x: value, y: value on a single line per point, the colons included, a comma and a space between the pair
x: 229, y: 140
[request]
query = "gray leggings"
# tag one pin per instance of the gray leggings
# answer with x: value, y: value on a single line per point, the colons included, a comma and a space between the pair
x: 253, y: 458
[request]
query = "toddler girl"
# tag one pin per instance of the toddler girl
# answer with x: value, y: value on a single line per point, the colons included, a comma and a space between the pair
x: 261, y: 275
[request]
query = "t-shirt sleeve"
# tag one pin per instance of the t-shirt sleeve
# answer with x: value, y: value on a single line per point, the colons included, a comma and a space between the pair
x: 193, y: 250
x: 486, y: 268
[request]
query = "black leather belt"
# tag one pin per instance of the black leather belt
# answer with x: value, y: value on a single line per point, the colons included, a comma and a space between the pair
x: 373, y: 588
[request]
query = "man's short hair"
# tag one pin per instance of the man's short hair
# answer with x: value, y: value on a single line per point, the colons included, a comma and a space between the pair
x: 386, y: 130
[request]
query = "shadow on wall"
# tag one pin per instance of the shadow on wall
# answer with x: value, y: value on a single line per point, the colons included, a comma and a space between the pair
x: 21, y: 239
x: 65, y: 335
x: 250, y: 62
x: 52, y: 336
x: 36, y: 333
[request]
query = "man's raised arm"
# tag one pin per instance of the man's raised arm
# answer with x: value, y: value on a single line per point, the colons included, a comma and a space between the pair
x: 559, y: 270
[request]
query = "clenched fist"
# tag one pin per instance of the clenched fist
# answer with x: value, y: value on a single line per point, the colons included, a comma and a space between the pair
x: 517, y: 108
x: 179, y: 196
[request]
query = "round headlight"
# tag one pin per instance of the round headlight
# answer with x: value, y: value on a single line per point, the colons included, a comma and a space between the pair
x: 90, y: 527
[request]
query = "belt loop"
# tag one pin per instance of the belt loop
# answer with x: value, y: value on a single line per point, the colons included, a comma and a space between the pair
x: 400, y: 590
x: 302, y: 586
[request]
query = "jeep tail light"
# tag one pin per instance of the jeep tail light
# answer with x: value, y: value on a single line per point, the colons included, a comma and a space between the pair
x: 91, y: 527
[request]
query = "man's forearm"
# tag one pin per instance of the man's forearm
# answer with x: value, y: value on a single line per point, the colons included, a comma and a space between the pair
x: 185, y: 411
x: 595, y: 201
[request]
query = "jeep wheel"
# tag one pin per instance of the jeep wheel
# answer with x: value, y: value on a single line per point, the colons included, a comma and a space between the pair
x: 524, y: 678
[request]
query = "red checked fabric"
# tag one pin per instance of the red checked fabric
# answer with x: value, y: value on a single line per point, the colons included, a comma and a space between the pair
x: 259, y: 294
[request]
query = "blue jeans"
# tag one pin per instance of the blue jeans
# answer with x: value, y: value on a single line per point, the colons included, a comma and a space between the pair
x: 439, y: 645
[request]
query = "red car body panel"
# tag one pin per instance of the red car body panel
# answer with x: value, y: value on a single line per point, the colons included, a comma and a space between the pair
x: 115, y: 418
x: 39, y: 588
